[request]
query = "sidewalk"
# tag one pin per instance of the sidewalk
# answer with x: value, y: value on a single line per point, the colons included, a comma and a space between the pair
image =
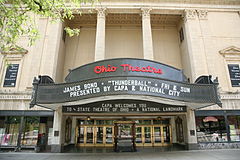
x: 228, y: 154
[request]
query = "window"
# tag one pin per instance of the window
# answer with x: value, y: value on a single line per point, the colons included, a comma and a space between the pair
x: 234, y: 127
x: 181, y: 35
x: 211, y: 129
x: 232, y: 59
x: 179, y: 129
x: 11, y: 66
x: 10, y: 131
x: 11, y: 75
x: 30, y: 132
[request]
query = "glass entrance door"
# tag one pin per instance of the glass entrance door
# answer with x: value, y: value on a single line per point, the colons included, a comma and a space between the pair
x: 109, y: 136
x: 153, y: 135
x: 157, y: 135
x: 167, y: 135
x: 99, y: 135
x: 94, y: 136
x: 139, y: 141
x: 147, y: 136
x: 89, y: 135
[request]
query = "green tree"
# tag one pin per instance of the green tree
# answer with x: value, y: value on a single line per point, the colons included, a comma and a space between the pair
x: 16, y: 18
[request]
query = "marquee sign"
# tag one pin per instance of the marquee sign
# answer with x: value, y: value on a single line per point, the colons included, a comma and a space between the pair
x: 123, y: 106
x: 130, y: 81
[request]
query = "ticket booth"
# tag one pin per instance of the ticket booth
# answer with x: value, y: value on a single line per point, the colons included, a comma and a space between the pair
x: 125, y: 136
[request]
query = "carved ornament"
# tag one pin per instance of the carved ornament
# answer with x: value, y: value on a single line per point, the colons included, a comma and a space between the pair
x: 146, y: 12
x: 202, y: 14
x: 101, y: 12
x: 189, y: 14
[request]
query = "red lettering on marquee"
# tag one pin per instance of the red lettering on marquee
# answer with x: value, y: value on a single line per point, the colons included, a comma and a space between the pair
x: 101, y: 69
x: 126, y: 67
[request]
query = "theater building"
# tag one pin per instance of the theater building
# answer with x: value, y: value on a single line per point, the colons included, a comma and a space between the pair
x: 140, y: 74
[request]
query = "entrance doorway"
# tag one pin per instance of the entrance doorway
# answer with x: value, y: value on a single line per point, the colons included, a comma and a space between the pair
x: 102, y: 133
x: 95, y: 133
x: 154, y: 135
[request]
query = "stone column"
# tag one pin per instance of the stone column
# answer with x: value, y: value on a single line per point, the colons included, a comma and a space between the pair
x: 147, y: 34
x: 73, y: 133
x: 191, y: 130
x: 173, y: 125
x: 195, y: 45
x: 100, y: 35
x: 57, y: 146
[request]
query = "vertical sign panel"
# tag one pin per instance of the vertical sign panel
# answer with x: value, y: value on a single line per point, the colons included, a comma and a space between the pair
x: 11, y: 75
x: 234, y: 73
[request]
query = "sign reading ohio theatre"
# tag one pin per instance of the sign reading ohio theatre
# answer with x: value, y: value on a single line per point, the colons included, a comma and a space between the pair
x: 123, y: 77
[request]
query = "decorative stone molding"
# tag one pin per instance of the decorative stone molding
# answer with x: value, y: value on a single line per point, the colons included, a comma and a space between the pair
x: 189, y: 14
x: 202, y: 14
x: 146, y: 12
x: 8, y: 95
x: 16, y: 52
x: 231, y: 53
x: 123, y: 19
x: 225, y: 97
x: 101, y: 13
x: 230, y: 95
x: 15, y: 97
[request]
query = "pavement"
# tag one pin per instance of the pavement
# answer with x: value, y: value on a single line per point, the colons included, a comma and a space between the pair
x: 223, y: 154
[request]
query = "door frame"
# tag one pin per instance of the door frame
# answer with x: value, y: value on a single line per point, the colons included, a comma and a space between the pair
x: 95, y: 144
x: 153, y: 136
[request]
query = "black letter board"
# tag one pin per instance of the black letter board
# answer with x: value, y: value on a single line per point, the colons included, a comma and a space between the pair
x: 11, y: 75
x: 234, y: 72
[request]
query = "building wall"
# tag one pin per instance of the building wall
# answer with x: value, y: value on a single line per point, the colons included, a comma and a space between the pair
x: 124, y: 42
x: 166, y: 46
x: 222, y: 37
x: 79, y: 49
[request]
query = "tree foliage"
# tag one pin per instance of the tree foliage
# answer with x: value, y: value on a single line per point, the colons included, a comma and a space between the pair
x: 17, y: 18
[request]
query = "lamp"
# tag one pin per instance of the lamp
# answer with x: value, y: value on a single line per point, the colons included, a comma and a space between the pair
x: 88, y: 118
x: 159, y: 118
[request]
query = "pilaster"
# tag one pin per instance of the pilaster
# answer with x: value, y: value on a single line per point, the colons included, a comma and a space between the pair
x: 191, y: 130
x: 100, y: 34
x: 56, y: 146
x: 73, y: 133
x: 195, y: 43
x: 208, y: 42
x: 147, y: 34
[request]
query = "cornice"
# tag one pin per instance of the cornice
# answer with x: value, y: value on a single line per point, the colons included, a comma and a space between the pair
x: 213, y: 2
